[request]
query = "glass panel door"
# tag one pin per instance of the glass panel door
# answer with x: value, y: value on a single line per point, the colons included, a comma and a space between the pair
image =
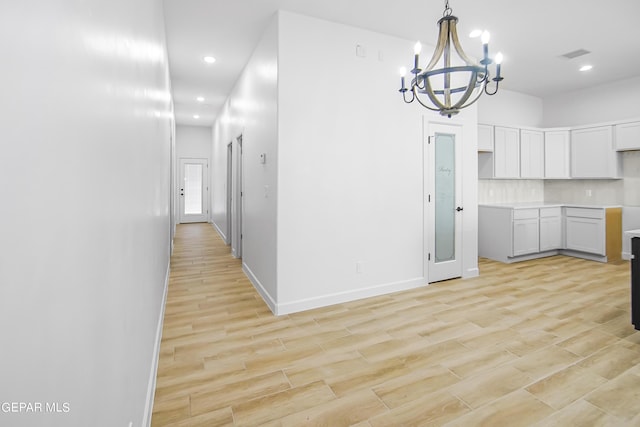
x: 443, y: 210
x: 193, y: 190
x: 445, y: 197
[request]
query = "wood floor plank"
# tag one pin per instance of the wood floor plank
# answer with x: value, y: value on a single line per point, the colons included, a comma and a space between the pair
x: 546, y: 342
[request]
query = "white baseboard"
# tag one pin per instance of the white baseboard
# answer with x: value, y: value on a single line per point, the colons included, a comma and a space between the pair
x: 268, y: 299
x: 471, y: 272
x: 151, y: 388
x: 219, y: 230
x: 341, y: 297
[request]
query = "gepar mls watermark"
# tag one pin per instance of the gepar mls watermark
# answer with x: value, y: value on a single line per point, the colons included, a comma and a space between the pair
x: 35, y: 407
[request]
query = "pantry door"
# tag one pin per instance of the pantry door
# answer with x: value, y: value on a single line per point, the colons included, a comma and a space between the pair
x: 443, y: 219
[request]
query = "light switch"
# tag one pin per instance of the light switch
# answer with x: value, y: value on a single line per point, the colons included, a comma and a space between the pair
x: 263, y: 158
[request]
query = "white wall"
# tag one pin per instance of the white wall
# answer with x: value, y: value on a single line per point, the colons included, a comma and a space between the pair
x: 251, y: 111
x: 614, y: 101
x: 350, y: 179
x: 510, y: 108
x: 86, y: 196
x: 193, y: 141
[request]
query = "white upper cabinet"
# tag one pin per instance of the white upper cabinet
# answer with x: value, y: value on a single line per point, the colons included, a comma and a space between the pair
x: 531, y: 154
x: 485, y: 138
x: 593, y: 154
x: 556, y: 154
x: 627, y: 136
x: 506, y: 152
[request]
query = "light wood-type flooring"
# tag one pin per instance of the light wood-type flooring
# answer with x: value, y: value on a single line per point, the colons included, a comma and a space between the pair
x: 538, y: 343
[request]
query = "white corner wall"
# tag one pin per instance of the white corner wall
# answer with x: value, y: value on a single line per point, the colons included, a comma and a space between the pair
x: 350, y: 177
x: 251, y: 111
x: 85, y: 165
x: 614, y: 101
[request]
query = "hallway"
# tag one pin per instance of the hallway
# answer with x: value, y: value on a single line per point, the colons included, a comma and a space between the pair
x: 547, y: 342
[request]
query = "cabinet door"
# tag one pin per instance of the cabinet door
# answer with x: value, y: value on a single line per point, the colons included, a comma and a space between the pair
x: 506, y: 152
x: 628, y: 136
x: 556, y: 154
x: 550, y: 233
x: 485, y: 138
x: 592, y: 153
x: 525, y: 236
x: 531, y: 154
x: 585, y: 235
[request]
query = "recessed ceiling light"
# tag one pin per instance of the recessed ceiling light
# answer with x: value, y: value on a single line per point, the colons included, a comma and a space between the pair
x: 586, y: 67
x: 200, y: 99
x: 209, y: 59
x: 195, y: 116
x: 475, y: 33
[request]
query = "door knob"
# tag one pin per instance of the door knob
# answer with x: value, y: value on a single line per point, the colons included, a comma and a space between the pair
x: 458, y: 208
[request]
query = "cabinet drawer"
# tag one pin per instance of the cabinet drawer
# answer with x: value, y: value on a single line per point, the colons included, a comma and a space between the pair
x: 525, y: 213
x: 550, y: 212
x: 585, y: 212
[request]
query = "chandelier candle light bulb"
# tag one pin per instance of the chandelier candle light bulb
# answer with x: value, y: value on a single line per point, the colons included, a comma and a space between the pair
x: 456, y: 84
x: 485, y: 47
x: 416, y: 50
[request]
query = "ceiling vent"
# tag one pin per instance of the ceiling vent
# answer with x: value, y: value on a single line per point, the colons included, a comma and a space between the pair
x: 575, y: 54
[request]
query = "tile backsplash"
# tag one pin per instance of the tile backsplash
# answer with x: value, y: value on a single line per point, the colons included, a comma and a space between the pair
x: 624, y: 191
x: 510, y: 190
x: 585, y: 191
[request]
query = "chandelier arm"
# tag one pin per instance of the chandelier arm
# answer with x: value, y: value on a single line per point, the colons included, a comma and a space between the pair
x: 458, y: 47
x: 404, y: 96
x: 442, y: 41
x: 491, y: 93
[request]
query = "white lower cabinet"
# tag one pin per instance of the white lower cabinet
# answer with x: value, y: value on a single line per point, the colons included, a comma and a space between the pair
x: 585, y: 230
x: 525, y: 232
x: 550, y: 229
x: 511, y: 234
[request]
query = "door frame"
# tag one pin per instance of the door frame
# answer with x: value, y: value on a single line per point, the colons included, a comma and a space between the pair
x: 235, y: 193
x: 433, y: 271
x: 204, y: 217
x: 236, y: 249
x: 229, y: 195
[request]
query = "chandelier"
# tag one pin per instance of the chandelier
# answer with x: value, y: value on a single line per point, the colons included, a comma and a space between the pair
x: 452, y: 87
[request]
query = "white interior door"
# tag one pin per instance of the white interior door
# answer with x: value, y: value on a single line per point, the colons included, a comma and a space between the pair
x: 443, y: 219
x: 194, y: 190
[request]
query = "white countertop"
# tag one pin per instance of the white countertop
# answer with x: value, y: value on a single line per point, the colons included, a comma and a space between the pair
x: 632, y: 233
x: 533, y: 205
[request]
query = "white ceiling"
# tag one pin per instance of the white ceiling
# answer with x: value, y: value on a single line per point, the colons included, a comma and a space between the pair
x: 531, y: 34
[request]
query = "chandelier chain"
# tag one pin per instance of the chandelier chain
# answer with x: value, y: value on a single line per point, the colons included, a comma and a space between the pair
x: 447, y: 10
